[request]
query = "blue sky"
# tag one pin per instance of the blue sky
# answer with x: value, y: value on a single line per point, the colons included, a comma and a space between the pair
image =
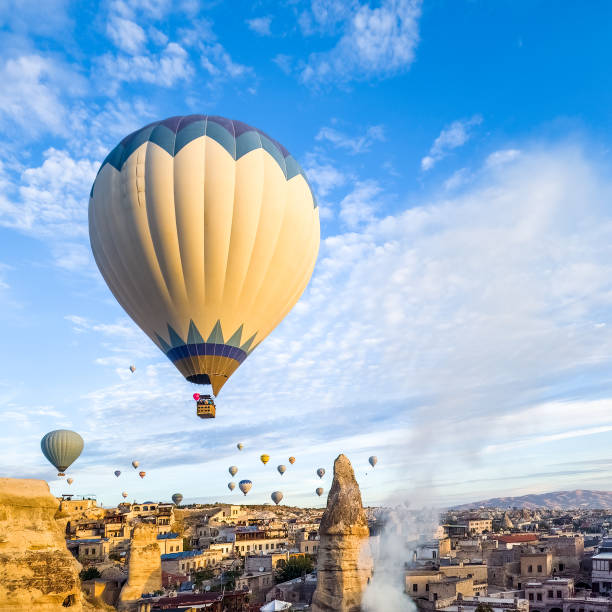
x: 458, y: 323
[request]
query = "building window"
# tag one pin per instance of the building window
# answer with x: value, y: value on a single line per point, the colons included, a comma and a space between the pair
x: 530, y: 569
x: 415, y: 588
x: 559, y: 595
x: 550, y: 594
x: 530, y: 596
x: 539, y: 596
x: 561, y: 567
x: 427, y: 587
x: 539, y: 569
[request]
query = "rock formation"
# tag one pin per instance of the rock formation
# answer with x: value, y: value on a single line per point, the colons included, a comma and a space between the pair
x: 344, y: 562
x: 144, y: 567
x: 36, y: 570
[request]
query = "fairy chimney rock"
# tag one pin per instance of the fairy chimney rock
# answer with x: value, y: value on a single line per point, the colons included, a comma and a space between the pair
x: 344, y: 562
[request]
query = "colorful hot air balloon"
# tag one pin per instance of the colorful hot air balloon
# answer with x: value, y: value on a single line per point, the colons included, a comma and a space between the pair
x: 177, y: 498
x: 373, y: 460
x: 132, y: 369
x: 245, y: 486
x: 117, y: 473
x: 281, y: 469
x: 69, y: 480
x: 319, y: 491
x: 233, y: 470
x: 291, y: 460
x: 320, y: 472
x: 277, y: 496
x: 206, y: 232
x: 61, y: 447
x: 142, y: 474
x: 240, y: 446
x: 231, y: 486
x: 124, y: 494
x: 135, y: 464
x: 265, y: 459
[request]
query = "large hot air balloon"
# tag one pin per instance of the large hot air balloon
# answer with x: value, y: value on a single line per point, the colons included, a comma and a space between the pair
x: 135, y: 464
x: 142, y: 474
x: 231, y: 486
x: 265, y: 459
x: 281, y: 469
x: 373, y: 460
x: 291, y: 460
x: 124, y: 494
x: 320, y: 472
x: 177, y: 498
x: 69, y: 480
x: 277, y: 496
x: 61, y: 447
x: 240, y: 446
x: 233, y: 470
x: 117, y: 473
x: 245, y: 486
x: 206, y: 232
x: 132, y: 369
x: 319, y: 491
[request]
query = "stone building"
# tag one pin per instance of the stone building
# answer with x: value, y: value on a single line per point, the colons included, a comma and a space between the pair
x: 298, y: 591
x: 257, y: 583
x: 169, y: 543
x: 188, y: 561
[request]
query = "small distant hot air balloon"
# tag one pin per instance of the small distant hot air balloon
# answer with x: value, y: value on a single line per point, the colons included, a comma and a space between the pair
x: 132, y: 369
x: 62, y: 447
x: 245, y: 486
x: 142, y: 474
x: 233, y: 470
x: 281, y: 469
x: 320, y: 472
x: 265, y: 459
x: 135, y: 464
x: 240, y: 446
x: 277, y: 496
x: 291, y: 460
x: 373, y: 460
x: 117, y: 473
x: 69, y: 480
x: 177, y: 498
x: 231, y: 486
x: 124, y: 494
x: 319, y: 491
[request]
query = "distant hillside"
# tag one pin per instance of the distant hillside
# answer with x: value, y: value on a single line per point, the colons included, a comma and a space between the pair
x: 558, y: 499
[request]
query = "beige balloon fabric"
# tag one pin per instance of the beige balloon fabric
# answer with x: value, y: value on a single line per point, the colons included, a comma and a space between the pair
x: 206, y: 232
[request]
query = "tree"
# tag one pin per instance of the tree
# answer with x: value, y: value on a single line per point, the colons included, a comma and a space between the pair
x: 199, y: 576
x: 89, y: 574
x: 484, y: 607
x: 187, y: 544
x: 295, y: 567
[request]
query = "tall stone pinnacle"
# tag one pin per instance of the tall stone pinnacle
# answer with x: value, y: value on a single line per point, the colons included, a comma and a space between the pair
x: 344, y: 563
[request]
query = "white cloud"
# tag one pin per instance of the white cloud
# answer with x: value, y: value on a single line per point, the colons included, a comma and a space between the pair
x: 218, y: 63
x: 34, y: 101
x: 502, y: 157
x: 260, y: 25
x: 165, y: 69
x: 51, y: 199
x: 359, y: 206
x: 284, y: 62
x: 376, y: 42
x: 355, y: 143
x: 451, y: 137
x: 323, y: 175
x: 126, y: 35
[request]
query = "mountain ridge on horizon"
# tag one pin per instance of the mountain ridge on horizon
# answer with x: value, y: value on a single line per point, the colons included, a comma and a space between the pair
x: 577, y: 498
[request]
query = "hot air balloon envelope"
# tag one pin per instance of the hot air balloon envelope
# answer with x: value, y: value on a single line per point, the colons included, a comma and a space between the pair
x: 291, y: 460
x: 320, y: 472
x: 265, y: 459
x: 177, y: 498
x: 124, y: 494
x: 117, y: 473
x: 240, y: 446
x: 61, y: 447
x: 135, y: 464
x: 233, y: 470
x: 245, y: 486
x: 69, y: 480
x: 373, y: 460
x: 142, y: 474
x: 206, y: 232
x: 319, y: 491
x: 132, y: 369
x: 281, y: 469
x: 277, y: 496
x: 231, y: 486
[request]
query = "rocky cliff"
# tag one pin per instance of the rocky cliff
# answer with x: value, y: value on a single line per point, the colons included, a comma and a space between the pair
x: 144, y: 567
x: 36, y: 570
x: 344, y: 562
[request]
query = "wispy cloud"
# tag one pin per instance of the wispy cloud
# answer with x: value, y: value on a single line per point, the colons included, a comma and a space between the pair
x: 260, y: 25
x: 451, y: 137
x: 360, y: 142
x: 358, y: 207
x: 375, y: 43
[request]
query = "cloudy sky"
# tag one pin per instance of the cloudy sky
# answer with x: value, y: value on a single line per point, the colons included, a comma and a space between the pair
x: 459, y: 320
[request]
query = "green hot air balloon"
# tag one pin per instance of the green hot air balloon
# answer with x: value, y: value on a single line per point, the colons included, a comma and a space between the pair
x: 62, y: 448
x: 277, y: 496
x: 177, y: 498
